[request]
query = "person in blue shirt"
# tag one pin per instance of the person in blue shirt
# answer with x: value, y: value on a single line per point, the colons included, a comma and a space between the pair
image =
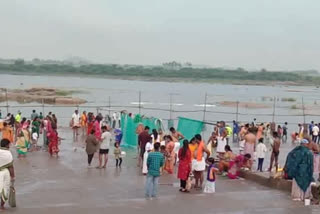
x: 154, y: 162
x: 235, y: 131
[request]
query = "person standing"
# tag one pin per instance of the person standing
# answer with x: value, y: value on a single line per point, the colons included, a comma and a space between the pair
x: 106, y: 140
x: 261, y: 153
x: 91, y: 146
x: 7, y: 132
x: 285, y: 132
x: 235, y: 136
x: 34, y: 114
x: 299, y: 168
x: 315, y: 133
x: 184, y: 168
x: 154, y: 162
x: 18, y: 117
x: 84, y: 121
x: 75, y: 123
x: 170, y: 160
x: 275, y: 151
x: 199, y: 164
x: 143, y: 138
x: 7, y: 174
x: 250, y: 142
x: 114, y: 120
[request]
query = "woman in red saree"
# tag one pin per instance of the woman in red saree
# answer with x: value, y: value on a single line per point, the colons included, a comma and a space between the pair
x: 53, y: 141
x: 169, y: 164
x: 184, y: 168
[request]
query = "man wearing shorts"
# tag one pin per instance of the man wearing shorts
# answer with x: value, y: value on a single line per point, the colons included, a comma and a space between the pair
x: 106, y: 139
x: 275, y: 151
x: 143, y: 138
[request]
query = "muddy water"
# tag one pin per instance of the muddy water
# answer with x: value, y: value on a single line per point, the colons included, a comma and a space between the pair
x: 124, y: 94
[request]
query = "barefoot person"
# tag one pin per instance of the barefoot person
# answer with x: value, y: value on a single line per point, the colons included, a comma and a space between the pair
x: 91, y: 146
x: 106, y: 140
x: 176, y: 137
x: 6, y: 171
x: 84, y: 122
x: 154, y: 163
x: 199, y: 164
x: 275, y: 151
x: 143, y: 138
x: 75, y: 123
x: 299, y: 168
x: 250, y: 142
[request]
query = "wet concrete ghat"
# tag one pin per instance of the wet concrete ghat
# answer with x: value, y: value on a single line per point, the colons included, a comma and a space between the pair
x: 65, y: 185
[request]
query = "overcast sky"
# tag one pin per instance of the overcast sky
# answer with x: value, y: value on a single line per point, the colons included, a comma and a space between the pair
x: 253, y: 34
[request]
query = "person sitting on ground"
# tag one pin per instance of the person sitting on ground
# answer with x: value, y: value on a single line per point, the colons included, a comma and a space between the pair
x: 240, y: 162
x: 225, y: 160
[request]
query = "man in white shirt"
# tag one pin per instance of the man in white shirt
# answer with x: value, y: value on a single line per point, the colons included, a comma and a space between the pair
x: 315, y: 133
x: 106, y: 140
x: 75, y: 123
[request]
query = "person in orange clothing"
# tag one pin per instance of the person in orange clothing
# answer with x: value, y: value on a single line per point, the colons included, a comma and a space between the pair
x: 7, y: 132
x: 169, y: 164
x: 199, y: 163
x: 84, y: 120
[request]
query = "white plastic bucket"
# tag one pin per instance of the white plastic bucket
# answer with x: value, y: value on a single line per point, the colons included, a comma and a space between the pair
x: 307, y: 202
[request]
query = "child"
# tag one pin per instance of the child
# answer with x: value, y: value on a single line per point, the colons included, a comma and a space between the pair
x: 210, y: 186
x: 117, y: 154
x: 261, y: 153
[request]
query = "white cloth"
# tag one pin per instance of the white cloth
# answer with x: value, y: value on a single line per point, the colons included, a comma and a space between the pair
x: 4, y: 184
x: 106, y: 140
x: 149, y: 147
x: 297, y: 193
x: 261, y: 150
x: 76, y: 120
x: 210, y: 187
x: 5, y: 159
x: 35, y: 136
x: 198, y: 165
x: 221, y: 145
x: 176, y: 149
x: 144, y: 164
x: 315, y: 131
x: 241, y: 145
x: 162, y: 143
x: 155, y: 140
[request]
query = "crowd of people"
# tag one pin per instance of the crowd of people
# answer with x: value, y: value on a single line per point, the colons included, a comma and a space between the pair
x: 171, y: 153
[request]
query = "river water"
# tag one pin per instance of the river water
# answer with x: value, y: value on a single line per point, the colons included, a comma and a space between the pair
x: 187, y: 98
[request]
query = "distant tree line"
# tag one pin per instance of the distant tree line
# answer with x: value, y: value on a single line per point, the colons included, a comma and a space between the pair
x: 187, y: 73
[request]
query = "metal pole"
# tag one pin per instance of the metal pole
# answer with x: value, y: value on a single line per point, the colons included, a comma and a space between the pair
x: 237, y: 113
x: 304, y: 115
x: 109, y: 107
x: 274, y: 108
x: 170, y: 106
x: 43, y: 107
x: 140, y: 102
x: 7, y: 101
x: 205, y: 107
